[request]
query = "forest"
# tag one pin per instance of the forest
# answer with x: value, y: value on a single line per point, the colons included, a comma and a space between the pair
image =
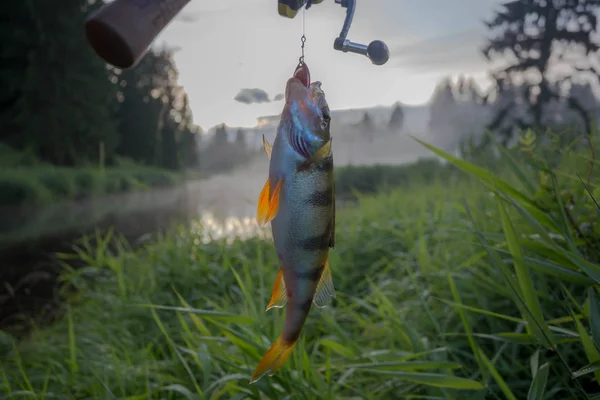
x: 72, y: 126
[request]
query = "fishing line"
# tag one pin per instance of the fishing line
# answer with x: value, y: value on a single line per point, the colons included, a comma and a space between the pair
x: 303, y: 38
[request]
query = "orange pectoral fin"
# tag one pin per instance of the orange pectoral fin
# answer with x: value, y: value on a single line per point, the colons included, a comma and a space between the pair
x: 274, y: 203
x: 268, y: 207
x: 279, y: 295
x: 262, y: 210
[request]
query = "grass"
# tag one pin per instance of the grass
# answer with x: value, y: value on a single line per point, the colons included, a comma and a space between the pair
x: 377, y: 178
x: 25, y: 180
x: 482, y: 286
x: 42, y: 185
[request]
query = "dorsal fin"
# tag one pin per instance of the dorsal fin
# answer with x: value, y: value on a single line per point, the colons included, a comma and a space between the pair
x: 267, y: 146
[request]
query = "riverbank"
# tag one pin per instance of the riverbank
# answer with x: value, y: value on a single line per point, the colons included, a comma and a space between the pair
x: 29, y: 186
x: 449, y: 289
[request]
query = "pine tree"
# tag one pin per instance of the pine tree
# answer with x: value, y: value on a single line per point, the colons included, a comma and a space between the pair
x: 397, y: 118
x: 533, y: 33
x: 441, y: 105
x: 220, y: 139
x: 140, y: 111
x: 56, y: 94
x: 367, y: 127
x: 240, y: 139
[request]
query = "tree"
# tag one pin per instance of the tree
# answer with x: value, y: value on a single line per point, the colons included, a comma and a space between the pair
x: 221, y: 136
x: 240, y: 139
x: 536, y: 35
x: 220, y: 154
x: 367, y: 127
x: 140, y: 111
x: 188, y: 146
x: 441, y: 104
x: 456, y: 112
x: 177, y: 117
x: 156, y: 122
x: 56, y: 95
x: 189, y: 133
x: 467, y: 90
x: 462, y: 88
x: 397, y: 118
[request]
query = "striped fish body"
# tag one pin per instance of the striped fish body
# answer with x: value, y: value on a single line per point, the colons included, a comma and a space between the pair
x: 302, y: 229
x: 301, y: 209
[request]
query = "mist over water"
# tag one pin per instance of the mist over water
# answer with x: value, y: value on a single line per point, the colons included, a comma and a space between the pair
x: 226, y: 203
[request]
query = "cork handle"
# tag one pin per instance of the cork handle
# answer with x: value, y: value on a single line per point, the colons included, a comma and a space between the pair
x: 121, y: 31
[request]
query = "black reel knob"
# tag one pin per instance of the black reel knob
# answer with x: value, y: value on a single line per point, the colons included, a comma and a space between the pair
x: 378, y: 52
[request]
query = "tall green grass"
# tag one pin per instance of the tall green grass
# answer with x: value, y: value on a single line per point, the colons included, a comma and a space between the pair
x: 475, y: 288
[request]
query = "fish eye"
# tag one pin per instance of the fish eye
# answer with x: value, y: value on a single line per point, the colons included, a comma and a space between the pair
x: 325, y: 121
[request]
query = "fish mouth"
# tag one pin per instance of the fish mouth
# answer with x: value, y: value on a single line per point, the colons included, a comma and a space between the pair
x: 303, y: 73
x: 295, y: 90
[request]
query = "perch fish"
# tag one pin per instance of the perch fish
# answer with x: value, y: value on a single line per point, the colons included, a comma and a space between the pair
x: 299, y: 201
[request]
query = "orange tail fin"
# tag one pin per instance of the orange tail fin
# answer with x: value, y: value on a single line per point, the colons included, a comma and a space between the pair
x: 274, y: 359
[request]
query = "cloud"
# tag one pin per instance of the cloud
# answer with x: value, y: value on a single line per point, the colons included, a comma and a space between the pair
x: 187, y: 17
x: 252, y: 96
x: 278, y: 97
x: 392, y: 19
x: 457, y: 52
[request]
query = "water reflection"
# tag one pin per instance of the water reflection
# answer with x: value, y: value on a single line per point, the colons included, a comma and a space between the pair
x: 210, y: 227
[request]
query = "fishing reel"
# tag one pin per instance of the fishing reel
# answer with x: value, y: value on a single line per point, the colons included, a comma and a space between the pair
x: 377, y: 51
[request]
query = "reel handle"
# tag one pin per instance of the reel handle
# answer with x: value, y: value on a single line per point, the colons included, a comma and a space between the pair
x: 377, y: 51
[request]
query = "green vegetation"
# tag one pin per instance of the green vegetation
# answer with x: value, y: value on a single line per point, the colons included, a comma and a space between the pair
x: 24, y: 180
x: 44, y: 185
x: 481, y: 288
x: 352, y: 180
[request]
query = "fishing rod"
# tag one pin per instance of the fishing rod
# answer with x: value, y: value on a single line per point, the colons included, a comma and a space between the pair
x: 121, y: 31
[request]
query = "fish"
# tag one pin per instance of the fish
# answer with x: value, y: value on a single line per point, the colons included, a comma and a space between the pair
x: 298, y: 199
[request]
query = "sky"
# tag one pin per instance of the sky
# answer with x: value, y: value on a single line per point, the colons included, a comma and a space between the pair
x: 224, y: 46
